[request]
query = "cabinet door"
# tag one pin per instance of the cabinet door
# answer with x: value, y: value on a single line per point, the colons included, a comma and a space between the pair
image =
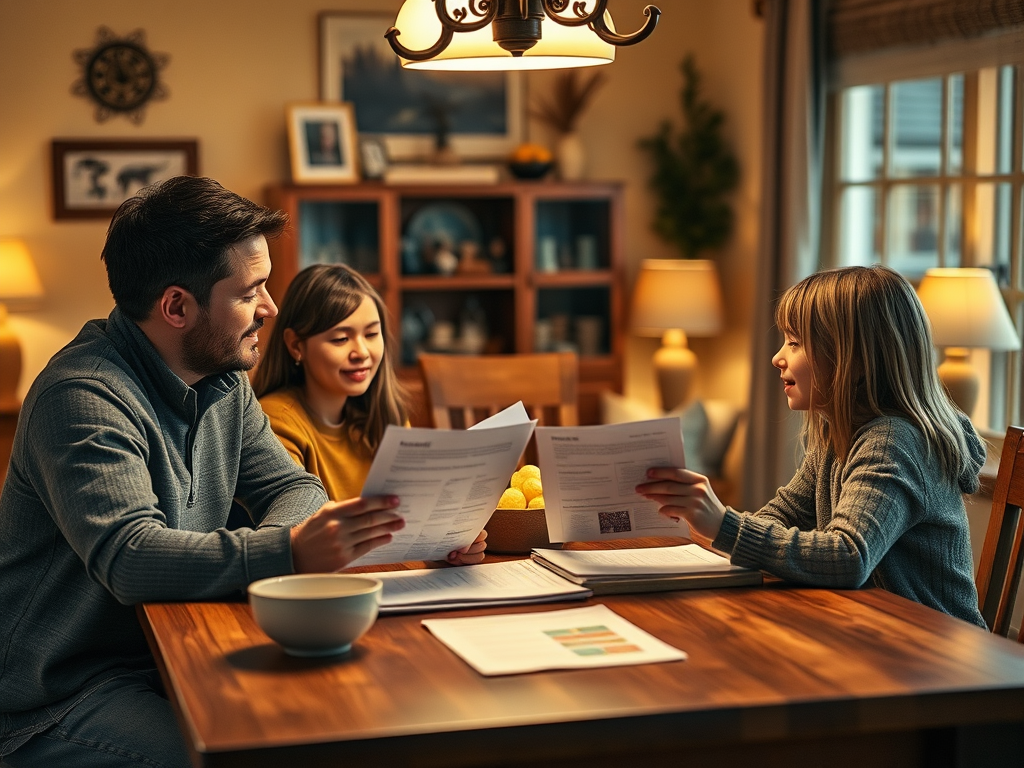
x: 339, y: 232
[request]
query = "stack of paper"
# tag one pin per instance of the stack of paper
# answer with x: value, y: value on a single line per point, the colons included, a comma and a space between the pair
x: 646, y: 570
x: 511, y: 583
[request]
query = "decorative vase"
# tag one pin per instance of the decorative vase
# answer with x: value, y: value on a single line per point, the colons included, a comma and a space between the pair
x: 571, y: 157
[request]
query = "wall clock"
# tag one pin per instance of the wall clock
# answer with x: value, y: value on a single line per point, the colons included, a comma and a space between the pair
x: 120, y: 75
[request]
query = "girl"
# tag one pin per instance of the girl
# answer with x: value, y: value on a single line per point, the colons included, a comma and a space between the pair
x: 327, y: 383
x: 878, y: 497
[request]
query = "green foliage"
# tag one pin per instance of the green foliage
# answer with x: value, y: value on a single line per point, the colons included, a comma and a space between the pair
x: 694, y: 171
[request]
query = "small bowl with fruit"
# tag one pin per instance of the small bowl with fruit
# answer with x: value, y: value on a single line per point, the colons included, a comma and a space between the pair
x: 531, y: 161
x: 518, y: 524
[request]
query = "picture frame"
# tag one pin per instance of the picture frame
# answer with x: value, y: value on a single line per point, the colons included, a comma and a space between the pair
x: 404, y: 107
x: 322, y: 143
x: 92, y: 177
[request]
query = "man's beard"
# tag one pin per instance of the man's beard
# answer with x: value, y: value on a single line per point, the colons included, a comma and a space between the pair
x: 208, y: 352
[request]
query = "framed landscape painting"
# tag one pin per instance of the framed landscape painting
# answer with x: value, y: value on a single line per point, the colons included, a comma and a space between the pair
x: 92, y: 177
x: 481, y: 112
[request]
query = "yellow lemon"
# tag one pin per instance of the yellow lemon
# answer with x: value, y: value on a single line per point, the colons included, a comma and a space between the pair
x: 529, y: 470
x: 531, y: 487
x: 512, y: 498
x: 516, y: 481
x: 537, y: 502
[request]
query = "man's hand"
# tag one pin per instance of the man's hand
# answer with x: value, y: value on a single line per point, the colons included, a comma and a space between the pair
x: 339, y: 532
x: 470, y: 554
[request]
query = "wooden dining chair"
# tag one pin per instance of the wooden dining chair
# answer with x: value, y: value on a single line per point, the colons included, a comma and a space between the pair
x: 1002, y: 556
x: 465, y: 389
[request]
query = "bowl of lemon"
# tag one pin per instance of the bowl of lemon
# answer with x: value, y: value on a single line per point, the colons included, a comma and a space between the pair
x: 518, y: 524
x: 530, y: 161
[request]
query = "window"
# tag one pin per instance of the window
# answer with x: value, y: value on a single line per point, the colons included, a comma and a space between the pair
x: 929, y: 172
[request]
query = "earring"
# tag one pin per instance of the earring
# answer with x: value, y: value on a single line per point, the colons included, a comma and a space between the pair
x: 298, y: 361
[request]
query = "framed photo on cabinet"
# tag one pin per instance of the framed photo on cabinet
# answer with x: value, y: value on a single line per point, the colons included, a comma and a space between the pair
x: 322, y: 143
x: 481, y: 113
x: 92, y: 177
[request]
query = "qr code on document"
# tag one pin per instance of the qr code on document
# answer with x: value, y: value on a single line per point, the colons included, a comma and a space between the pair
x: 614, y: 522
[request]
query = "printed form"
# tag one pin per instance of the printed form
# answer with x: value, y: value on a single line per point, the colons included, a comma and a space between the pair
x: 592, y: 493
x: 448, y: 482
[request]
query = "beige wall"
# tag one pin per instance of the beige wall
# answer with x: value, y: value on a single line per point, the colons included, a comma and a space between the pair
x: 235, y: 64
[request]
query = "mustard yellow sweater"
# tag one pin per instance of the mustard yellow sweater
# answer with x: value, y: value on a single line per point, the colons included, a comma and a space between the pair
x: 324, y: 451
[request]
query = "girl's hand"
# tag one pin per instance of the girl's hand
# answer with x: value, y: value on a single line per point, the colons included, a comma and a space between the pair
x: 471, y: 554
x: 339, y: 532
x: 685, y: 494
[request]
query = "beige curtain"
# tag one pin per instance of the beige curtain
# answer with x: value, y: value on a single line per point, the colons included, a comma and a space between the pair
x: 790, y: 222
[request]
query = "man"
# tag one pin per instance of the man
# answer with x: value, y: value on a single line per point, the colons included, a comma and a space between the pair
x: 130, y: 447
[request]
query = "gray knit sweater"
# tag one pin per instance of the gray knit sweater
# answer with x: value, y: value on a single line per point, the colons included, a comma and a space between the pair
x: 887, y: 517
x: 119, y: 487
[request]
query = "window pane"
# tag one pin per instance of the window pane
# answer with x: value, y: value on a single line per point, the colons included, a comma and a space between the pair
x: 1004, y: 139
x: 913, y: 228
x: 955, y: 116
x: 995, y: 119
x: 953, y: 257
x: 916, y: 128
x: 992, y: 227
x: 858, y: 230
x: 863, y: 123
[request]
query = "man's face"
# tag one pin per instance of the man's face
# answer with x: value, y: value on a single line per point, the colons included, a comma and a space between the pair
x: 224, y: 336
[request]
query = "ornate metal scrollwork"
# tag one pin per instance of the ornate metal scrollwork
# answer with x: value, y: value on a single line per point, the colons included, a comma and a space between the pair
x: 555, y: 8
x: 601, y: 29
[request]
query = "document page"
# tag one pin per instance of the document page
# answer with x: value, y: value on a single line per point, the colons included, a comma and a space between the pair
x: 575, y: 638
x: 509, y: 583
x: 448, y: 481
x: 591, y: 473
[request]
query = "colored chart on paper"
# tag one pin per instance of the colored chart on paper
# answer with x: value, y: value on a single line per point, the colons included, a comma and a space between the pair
x: 596, y: 640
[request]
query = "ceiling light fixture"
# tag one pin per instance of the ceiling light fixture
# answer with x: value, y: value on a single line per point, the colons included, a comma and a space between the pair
x: 514, y: 41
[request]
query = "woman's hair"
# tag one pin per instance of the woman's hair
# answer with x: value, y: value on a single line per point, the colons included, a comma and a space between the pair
x: 318, y: 299
x: 869, y: 346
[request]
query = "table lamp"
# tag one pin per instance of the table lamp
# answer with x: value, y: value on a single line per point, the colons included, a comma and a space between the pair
x: 19, y: 289
x: 966, y: 310
x: 674, y: 299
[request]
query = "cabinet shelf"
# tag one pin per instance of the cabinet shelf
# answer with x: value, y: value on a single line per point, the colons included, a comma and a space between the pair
x: 537, y: 266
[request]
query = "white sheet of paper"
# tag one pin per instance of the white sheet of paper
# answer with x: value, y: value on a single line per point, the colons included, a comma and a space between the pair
x: 448, y: 481
x: 649, y: 561
x: 509, y: 583
x: 575, y: 638
x: 591, y: 473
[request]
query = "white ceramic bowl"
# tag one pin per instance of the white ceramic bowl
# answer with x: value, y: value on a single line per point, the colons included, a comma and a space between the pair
x: 315, y: 614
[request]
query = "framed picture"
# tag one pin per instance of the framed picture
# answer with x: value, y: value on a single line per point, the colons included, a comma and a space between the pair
x: 322, y: 143
x: 92, y: 177
x: 481, y: 112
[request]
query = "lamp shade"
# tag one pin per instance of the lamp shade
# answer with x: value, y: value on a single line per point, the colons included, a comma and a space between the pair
x: 677, y: 294
x: 966, y: 309
x: 19, y: 281
x: 560, y: 47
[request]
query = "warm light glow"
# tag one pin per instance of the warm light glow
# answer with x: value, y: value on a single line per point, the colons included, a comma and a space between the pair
x: 19, y: 281
x: 966, y: 309
x: 560, y: 47
x: 677, y: 295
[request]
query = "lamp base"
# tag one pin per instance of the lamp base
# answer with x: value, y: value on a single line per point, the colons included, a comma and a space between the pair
x: 10, y: 364
x: 675, y: 366
x: 960, y: 379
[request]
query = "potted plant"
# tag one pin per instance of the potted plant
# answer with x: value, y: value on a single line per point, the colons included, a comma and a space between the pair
x: 570, y: 97
x: 694, y: 172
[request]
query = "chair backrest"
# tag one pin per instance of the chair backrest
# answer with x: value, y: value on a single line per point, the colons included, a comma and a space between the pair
x: 465, y: 389
x: 1002, y: 556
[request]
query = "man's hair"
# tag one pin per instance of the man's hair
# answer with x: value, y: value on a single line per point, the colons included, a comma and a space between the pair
x: 179, y: 232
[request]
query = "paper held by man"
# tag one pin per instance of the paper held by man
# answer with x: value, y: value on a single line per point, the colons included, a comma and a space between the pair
x: 449, y: 481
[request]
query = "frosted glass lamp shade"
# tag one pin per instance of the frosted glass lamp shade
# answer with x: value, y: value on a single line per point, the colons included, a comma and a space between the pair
x: 674, y: 299
x: 560, y: 47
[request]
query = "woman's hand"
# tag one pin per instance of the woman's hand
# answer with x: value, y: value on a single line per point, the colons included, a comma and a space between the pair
x: 685, y: 494
x: 471, y: 554
x: 339, y: 532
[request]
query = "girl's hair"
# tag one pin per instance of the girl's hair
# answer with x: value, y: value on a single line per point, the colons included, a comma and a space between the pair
x: 319, y: 298
x: 869, y: 346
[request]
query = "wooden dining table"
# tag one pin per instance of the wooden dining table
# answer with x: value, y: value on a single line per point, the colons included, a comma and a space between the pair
x: 776, y: 675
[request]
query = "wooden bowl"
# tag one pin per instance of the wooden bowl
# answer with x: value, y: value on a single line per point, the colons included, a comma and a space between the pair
x: 517, y: 531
